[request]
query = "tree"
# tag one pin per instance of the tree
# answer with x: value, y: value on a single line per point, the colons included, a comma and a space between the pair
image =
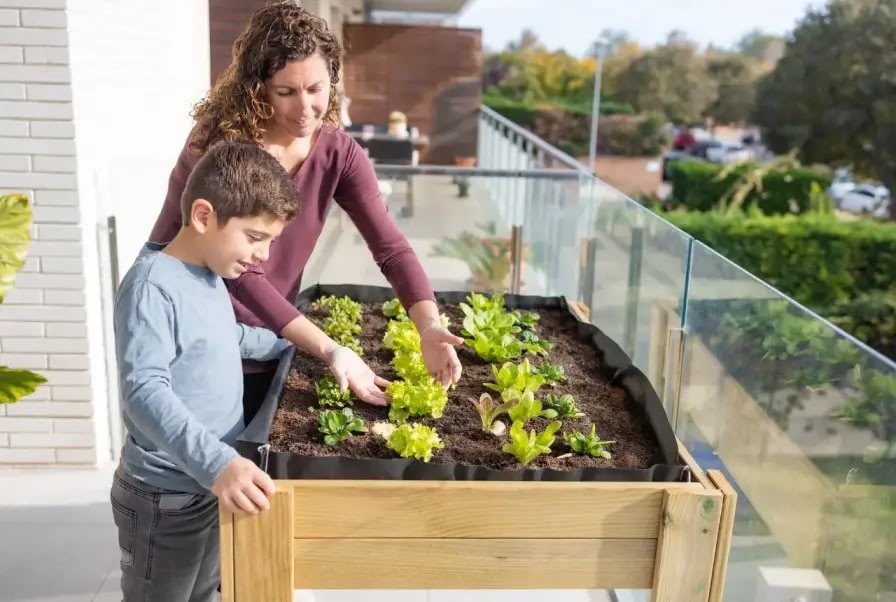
x: 832, y: 96
x: 735, y: 77
x: 528, y: 41
x: 671, y: 80
x: 765, y: 47
x: 679, y: 38
x: 609, y: 42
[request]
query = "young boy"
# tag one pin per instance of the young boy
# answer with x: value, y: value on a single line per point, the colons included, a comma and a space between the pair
x: 179, y: 352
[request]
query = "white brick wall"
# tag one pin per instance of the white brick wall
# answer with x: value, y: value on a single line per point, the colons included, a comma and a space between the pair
x: 94, y: 107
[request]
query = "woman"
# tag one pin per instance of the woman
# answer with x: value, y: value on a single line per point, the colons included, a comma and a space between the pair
x: 280, y: 91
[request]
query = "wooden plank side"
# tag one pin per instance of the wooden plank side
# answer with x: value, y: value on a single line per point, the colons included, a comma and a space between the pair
x: 263, y: 554
x: 225, y: 527
x: 392, y: 563
x: 686, y: 547
x: 726, y: 532
x: 453, y: 509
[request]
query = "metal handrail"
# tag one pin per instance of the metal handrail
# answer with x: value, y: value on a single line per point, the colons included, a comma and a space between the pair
x: 538, y: 142
x: 449, y: 170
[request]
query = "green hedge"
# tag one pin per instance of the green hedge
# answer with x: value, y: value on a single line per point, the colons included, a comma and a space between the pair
x: 619, y: 134
x: 871, y: 318
x: 525, y: 114
x: 694, y: 184
x: 817, y: 260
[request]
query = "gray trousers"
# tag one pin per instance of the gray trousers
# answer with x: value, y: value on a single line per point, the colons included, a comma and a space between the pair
x: 169, y: 542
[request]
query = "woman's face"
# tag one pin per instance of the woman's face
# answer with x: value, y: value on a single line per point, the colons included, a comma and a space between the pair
x: 300, y: 95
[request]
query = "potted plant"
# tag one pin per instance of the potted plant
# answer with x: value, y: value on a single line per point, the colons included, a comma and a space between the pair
x: 488, y: 256
x: 463, y: 182
x: 15, y: 237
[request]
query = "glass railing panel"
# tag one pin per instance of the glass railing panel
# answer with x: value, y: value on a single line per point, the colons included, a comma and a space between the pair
x: 555, y: 209
x: 460, y: 224
x: 639, y: 264
x: 801, y: 418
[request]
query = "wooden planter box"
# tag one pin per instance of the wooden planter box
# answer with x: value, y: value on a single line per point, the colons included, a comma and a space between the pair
x: 671, y: 537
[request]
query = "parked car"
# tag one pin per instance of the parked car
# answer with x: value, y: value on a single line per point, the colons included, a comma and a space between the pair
x: 727, y: 152
x: 707, y: 149
x: 841, y: 184
x: 866, y: 198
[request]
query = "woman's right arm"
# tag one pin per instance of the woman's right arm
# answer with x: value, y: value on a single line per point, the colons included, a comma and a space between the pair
x: 170, y: 221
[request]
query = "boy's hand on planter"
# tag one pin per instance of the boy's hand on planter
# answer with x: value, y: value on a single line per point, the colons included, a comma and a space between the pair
x: 351, y: 372
x: 242, y: 487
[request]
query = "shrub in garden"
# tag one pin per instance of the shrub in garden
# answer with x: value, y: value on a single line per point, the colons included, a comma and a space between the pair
x: 698, y: 186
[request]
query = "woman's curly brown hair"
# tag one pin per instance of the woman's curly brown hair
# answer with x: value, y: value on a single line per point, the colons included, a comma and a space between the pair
x: 235, y: 108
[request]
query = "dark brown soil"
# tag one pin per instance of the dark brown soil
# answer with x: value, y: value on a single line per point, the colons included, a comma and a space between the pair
x: 295, y: 427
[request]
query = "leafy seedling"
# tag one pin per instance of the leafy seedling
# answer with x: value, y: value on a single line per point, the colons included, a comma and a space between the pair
x: 588, y: 445
x: 525, y: 319
x: 489, y: 410
x: 532, y: 343
x: 328, y: 393
x: 528, y: 408
x: 564, y: 405
x: 338, y: 425
x: 552, y: 373
x: 528, y: 446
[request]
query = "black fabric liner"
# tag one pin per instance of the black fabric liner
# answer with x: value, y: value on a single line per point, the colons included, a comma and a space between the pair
x: 619, y: 371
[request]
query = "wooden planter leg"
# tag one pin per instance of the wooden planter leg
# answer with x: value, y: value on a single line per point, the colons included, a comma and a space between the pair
x: 686, y: 546
x: 225, y: 521
x: 726, y: 532
x: 261, y: 566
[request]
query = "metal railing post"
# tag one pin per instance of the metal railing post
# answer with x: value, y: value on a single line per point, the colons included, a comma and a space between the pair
x: 516, y: 258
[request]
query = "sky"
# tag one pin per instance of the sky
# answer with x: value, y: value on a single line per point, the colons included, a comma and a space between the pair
x: 572, y: 25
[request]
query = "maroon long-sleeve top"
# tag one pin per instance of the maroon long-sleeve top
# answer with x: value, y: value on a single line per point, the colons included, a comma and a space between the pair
x: 335, y: 169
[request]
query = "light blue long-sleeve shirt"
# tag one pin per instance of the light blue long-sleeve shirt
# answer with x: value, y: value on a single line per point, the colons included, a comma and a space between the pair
x: 179, y: 350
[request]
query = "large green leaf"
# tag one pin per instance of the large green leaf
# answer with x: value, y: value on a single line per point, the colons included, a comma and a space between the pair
x: 15, y: 235
x: 15, y: 384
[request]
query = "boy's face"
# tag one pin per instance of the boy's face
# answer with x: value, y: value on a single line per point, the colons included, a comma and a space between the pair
x: 230, y: 249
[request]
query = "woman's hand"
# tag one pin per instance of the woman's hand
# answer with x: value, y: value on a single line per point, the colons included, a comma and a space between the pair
x: 437, y: 346
x: 351, y: 372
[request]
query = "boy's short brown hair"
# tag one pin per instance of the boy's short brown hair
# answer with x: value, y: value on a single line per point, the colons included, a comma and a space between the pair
x: 240, y: 179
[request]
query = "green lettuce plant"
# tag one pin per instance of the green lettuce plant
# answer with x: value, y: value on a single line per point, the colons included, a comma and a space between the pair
x: 419, y: 398
x: 528, y: 408
x: 528, y: 446
x: 415, y: 441
x: 498, y: 335
x: 343, y: 320
x: 513, y: 380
